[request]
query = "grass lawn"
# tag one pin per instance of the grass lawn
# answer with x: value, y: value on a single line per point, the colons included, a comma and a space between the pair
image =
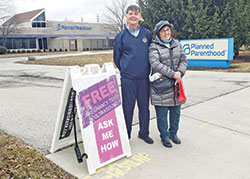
x: 20, y: 161
x: 238, y: 65
x: 73, y: 60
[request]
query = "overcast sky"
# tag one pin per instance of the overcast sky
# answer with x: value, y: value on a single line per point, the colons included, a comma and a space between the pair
x: 60, y: 10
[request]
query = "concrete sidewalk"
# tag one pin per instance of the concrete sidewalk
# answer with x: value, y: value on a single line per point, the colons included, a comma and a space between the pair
x: 215, y: 135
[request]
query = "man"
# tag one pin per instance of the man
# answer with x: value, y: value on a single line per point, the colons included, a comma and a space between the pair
x: 131, y: 58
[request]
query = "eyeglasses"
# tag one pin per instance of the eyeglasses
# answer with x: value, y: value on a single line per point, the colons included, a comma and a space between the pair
x: 165, y: 31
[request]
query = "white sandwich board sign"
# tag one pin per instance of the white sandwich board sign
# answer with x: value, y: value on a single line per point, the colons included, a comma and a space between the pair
x: 99, y: 110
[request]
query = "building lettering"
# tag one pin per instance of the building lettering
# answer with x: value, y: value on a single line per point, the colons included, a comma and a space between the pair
x: 74, y: 27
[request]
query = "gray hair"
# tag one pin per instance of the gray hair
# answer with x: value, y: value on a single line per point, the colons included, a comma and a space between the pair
x: 133, y: 8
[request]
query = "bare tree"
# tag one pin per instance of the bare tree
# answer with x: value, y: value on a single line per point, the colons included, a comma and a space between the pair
x: 115, y: 14
x: 7, y: 27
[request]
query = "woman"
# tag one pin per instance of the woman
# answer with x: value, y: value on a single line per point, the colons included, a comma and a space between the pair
x: 162, y: 51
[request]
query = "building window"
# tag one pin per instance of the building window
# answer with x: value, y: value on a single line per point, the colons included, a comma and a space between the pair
x: 41, y: 17
x: 21, y: 43
x: 9, y: 43
x: 17, y: 43
x: 42, y: 43
x: 24, y: 43
x: 38, y: 24
x: 32, y: 43
x: 45, y: 46
x: 39, y: 21
x: 110, y: 42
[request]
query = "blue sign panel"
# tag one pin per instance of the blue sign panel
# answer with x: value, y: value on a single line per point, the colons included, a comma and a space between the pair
x: 209, y: 52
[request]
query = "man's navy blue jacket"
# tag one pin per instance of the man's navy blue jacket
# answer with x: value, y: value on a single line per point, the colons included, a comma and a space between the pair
x: 131, y: 54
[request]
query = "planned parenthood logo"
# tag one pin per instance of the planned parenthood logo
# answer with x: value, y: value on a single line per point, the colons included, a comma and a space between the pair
x: 75, y: 27
x: 205, y: 49
x: 186, y: 49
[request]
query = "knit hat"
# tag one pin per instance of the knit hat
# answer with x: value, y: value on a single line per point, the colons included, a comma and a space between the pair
x: 161, y: 24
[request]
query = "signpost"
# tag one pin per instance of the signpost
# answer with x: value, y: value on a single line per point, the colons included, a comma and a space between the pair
x: 100, y: 115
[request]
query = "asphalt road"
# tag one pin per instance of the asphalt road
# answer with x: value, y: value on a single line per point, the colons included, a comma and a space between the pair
x: 30, y: 96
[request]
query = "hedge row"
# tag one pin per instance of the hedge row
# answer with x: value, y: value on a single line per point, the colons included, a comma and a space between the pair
x: 35, y: 50
x: 3, y: 50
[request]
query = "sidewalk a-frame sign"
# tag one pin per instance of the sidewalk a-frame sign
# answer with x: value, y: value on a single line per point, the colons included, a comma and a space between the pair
x: 93, y: 93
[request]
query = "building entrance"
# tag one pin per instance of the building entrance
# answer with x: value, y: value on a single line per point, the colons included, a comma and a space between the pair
x: 42, y: 43
x: 72, y: 44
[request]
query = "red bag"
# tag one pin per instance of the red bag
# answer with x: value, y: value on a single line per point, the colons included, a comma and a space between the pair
x: 182, y: 96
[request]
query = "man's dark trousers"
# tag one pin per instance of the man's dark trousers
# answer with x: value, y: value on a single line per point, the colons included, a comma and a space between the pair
x: 132, y: 90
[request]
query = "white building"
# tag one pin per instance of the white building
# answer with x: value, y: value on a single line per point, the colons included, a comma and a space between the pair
x: 35, y: 32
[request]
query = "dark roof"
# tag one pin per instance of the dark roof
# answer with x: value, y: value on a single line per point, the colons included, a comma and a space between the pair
x: 25, y: 16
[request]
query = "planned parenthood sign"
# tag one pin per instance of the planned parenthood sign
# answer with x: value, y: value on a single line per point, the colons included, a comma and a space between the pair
x: 208, y: 52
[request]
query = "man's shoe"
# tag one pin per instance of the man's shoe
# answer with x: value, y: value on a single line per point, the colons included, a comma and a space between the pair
x: 147, y: 139
x: 166, y: 142
x: 175, y: 139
